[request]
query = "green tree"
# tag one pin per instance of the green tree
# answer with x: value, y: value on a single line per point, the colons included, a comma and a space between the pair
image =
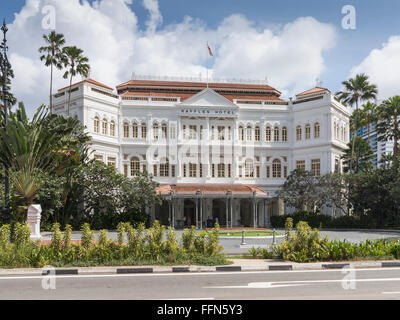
x: 369, y: 115
x: 52, y: 56
x: 388, y: 125
x: 76, y: 64
x: 300, y: 190
x: 11, y: 98
x: 360, y: 159
x: 44, y: 144
x: 356, y: 90
x: 102, y: 197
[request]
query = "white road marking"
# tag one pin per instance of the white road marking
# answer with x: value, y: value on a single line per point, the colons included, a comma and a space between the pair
x: 188, y: 299
x: 277, y: 284
x: 190, y: 274
x: 391, y: 292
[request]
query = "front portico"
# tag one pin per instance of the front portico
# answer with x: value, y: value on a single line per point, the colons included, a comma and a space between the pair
x: 202, y: 205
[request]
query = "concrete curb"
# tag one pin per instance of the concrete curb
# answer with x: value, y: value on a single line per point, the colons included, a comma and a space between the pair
x: 199, y: 269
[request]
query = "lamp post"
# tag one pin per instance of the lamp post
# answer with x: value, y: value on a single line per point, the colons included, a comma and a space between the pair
x: 5, y: 65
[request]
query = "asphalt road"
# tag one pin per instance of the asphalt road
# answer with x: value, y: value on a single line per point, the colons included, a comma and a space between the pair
x: 270, y: 285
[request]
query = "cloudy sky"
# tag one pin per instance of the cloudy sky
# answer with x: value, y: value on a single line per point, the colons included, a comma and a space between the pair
x: 289, y: 42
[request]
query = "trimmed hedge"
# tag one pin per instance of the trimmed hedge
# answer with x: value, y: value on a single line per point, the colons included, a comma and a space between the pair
x: 317, y: 220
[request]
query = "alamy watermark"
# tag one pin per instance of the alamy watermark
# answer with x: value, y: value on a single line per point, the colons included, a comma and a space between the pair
x: 349, y: 20
x: 49, y: 278
x: 349, y: 280
x: 49, y: 19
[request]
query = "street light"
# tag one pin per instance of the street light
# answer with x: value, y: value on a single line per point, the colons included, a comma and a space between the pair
x: 5, y: 65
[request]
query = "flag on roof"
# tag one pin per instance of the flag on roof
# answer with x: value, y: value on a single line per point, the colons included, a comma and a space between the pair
x: 209, y: 50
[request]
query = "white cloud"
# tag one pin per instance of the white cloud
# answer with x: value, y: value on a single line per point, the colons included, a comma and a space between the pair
x: 380, y: 66
x: 291, y: 56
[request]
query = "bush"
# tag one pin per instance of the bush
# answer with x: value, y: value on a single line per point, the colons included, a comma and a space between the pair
x: 306, y: 245
x: 143, y: 247
x: 317, y: 220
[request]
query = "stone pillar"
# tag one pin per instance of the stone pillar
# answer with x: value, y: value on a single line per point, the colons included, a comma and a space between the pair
x: 33, y: 219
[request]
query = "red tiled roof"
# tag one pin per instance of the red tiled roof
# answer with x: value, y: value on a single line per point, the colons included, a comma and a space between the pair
x: 209, y: 189
x: 312, y: 91
x: 183, y: 84
x: 90, y: 81
x: 185, y: 96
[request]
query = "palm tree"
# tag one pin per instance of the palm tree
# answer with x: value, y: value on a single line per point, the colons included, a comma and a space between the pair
x: 389, y: 122
x: 52, y: 56
x: 51, y: 144
x: 356, y: 90
x: 361, y: 159
x: 76, y: 64
x: 369, y: 115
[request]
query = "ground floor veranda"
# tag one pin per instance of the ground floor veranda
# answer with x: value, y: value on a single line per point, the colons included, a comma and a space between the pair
x: 204, y: 205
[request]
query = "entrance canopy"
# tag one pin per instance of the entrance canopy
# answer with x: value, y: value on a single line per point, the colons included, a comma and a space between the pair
x: 212, y: 190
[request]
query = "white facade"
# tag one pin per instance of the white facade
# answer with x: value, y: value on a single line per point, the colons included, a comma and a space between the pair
x: 208, y: 139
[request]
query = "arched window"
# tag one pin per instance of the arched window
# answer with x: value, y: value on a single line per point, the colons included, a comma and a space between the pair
x: 164, y: 131
x: 155, y: 131
x: 268, y: 134
x: 112, y: 128
x: 144, y: 131
x: 276, y: 168
x: 317, y: 130
x: 126, y: 130
x: 298, y: 133
x: 276, y: 134
x: 284, y: 134
x: 96, y: 125
x: 105, y: 126
x: 249, y: 169
x: 241, y: 133
x: 135, y: 131
x: 135, y: 166
x: 257, y: 134
x: 308, y: 131
x: 249, y: 133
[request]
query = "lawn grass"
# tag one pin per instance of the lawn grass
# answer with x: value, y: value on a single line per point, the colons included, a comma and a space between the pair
x: 247, y: 233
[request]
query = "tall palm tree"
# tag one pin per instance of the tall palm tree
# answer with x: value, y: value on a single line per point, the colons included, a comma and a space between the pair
x: 369, y: 115
x: 389, y: 122
x: 76, y: 63
x: 356, y: 90
x: 53, y: 56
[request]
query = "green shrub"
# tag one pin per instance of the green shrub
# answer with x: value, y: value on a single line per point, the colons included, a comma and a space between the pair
x: 144, y: 247
x: 56, y: 239
x: 188, y: 236
x: 212, y: 246
x: 22, y: 234
x: 87, y: 236
x: 288, y: 227
x: 67, y: 237
x: 121, y: 233
x: 5, y: 233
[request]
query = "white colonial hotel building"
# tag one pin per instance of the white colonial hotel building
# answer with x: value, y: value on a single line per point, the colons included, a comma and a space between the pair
x: 219, y: 152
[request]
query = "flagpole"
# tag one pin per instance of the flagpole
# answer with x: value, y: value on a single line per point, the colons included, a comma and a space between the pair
x: 207, y: 63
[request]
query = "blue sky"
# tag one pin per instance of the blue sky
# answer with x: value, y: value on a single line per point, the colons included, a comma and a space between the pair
x: 377, y: 21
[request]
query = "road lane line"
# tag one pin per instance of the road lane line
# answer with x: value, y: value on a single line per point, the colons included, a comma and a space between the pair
x: 191, y: 274
x: 391, y: 292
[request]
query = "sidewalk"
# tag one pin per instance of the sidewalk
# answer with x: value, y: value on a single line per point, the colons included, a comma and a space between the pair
x: 237, y: 266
